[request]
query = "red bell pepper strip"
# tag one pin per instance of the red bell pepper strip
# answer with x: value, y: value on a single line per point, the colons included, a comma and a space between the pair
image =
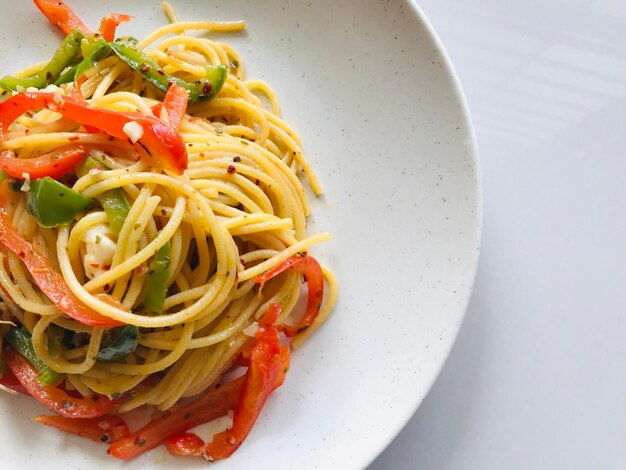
x: 106, y: 428
x: 212, y: 405
x: 61, y: 15
x: 48, y: 279
x: 9, y: 380
x: 162, y: 144
x: 187, y: 443
x: 175, y: 103
x: 54, y: 398
x: 269, y: 363
x: 310, y: 268
x: 109, y: 25
x: 54, y: 164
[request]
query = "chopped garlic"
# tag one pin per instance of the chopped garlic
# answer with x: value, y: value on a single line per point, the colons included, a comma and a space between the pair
x: 133, y: 130
x: 251, y: 329
x: 52, y: 88
x: 99, y: 250
x: 26, y: 185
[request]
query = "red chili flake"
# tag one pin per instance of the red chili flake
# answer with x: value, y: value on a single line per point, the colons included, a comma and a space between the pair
x: 231, y: 169
x: 257, y: 182
x: 93, y: 265
x: 141, y: 270
x: 74, y: 138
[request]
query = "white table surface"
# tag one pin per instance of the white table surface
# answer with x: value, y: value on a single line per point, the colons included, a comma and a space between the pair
x: 537, y: 377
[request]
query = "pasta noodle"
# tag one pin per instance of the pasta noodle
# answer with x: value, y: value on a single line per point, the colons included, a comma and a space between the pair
x: 238, y: 211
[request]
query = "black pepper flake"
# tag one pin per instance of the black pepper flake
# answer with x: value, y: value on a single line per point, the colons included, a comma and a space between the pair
x: 231, y: 170
x: 237, y: 159
x: 145, y: 68
x: 140, y: 441
x: 67, y: 404
x: 104, y: 438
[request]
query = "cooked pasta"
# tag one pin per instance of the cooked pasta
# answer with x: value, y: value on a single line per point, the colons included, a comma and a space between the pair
x: 172, y: 273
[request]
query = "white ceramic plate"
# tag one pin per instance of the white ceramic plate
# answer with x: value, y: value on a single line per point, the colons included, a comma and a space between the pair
x: 384, y: 122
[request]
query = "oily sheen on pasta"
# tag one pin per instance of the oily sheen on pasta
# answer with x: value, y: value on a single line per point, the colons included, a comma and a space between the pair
x: 221, y: 247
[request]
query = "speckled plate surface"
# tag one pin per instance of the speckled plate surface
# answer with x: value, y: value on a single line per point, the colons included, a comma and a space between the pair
x: 384, y: 123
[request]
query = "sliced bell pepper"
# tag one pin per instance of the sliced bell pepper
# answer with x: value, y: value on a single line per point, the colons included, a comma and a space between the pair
x: 96, y: 50
x: 48, y: 279
x: 269, y: 363
x: 175, y: 103
x: 106, y: 428
x: 116, y: 207
x: 156, y: 285
x: 61, y: 15
x: 310, y: 268
x: 67, y: 75
x: 144, y: 65
x: 9, y: 380
x: 54, y: 204
x: 187, y: 443
x: 113, y: 201
x: 53, y: 164
x: 64, y: 56
x: 161, y: 143
x: 21, y: 341
x: 109, y: 25
x: 213, y: 404
x: 124, y: 341
x: 54, y: 398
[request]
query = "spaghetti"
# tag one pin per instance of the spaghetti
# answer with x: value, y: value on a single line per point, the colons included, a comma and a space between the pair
x: 178, y: 260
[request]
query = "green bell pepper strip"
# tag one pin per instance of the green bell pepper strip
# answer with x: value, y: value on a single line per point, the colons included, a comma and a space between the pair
x: 54, y: 204
x: 145, y: 66
x: 21, y: 341
x: 116, y: 207
x: 94, y: 50
x: 113, y: 201
x: 156, y: 286
x: 63, y: 57
x: 67, y: 76
x: 124, y: 341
